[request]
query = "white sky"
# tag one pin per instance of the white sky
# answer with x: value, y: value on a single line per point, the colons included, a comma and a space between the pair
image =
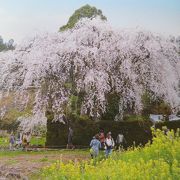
x: 22, y: 18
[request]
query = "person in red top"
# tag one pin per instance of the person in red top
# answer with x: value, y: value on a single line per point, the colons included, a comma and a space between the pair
x: 102, y: 138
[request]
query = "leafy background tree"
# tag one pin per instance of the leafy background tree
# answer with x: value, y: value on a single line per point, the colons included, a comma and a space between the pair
x: 5, y: 46
x: 86, y: 11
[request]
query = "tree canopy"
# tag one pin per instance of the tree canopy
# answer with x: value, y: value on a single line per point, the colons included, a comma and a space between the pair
x: 94, y: 71
x: 86, y: 11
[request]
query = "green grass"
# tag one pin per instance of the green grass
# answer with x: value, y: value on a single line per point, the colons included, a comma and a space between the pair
x: 45, y: 159
x: 131, y: 118
x: 11, y: 162
x: 4, y: 141
x: 38, y: 141
x: 54, y: 152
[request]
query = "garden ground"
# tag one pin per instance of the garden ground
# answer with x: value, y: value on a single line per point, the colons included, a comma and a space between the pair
x: 159, y: 161
x: 24, y: 164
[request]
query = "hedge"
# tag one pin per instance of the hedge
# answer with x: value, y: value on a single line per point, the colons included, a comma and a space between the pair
x: 136, y: 132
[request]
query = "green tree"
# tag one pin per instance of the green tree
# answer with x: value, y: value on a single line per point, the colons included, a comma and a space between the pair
x: 154, y: 105
x: 2, y: 45
x: 86, y: 11
x: 6, y: 46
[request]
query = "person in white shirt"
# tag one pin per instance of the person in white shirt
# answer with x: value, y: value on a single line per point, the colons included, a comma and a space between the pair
x: 119, y: 141
x: 109, y: 142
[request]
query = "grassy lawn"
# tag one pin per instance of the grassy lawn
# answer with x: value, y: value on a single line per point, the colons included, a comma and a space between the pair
x: 43, y: 152
x: 38, y: 141
x: 4, y: 141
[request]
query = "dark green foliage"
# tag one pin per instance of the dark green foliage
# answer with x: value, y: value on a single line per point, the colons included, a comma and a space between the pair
x: 84, y: 130
x: 73, y: 103
x: 169, y: 124
x: 154, y: 105
x: 49, y: 115
x: 86, y: 11
x: 134, y: 117
x: 112, y: 108
x: 136, y: 132
x: 73, y: 108
x: 80, y: 100
x: 56, y: 134
x: 9, y: 126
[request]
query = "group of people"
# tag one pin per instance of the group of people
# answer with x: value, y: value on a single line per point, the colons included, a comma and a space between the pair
x: 22, y: 140
x: 100, y: 142
x: 107, y: 143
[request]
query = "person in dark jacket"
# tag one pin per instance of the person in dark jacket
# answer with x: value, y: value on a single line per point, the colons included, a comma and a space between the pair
x: 102, y: 138
x: 70, y: 139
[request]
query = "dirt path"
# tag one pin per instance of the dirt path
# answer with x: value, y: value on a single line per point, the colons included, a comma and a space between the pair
x: 21, y: 166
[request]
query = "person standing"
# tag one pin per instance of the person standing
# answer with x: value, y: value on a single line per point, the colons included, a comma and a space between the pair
x: 19, y: 140
x: 70, y: 138
x: 95, y: 145
x: 24, y: 141
x: 109, y: 142
x: 102, y: 138
x: 11, y: 142
x: 28, y: 139
x: 120, y: 140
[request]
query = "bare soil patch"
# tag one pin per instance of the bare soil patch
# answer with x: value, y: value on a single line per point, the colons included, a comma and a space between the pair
x: 22, y: 166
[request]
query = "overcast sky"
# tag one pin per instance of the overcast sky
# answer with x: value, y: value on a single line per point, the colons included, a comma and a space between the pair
x: 21, y: 18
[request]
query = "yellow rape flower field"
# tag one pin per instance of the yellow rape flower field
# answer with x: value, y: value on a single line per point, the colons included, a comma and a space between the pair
x: 157, y: 161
